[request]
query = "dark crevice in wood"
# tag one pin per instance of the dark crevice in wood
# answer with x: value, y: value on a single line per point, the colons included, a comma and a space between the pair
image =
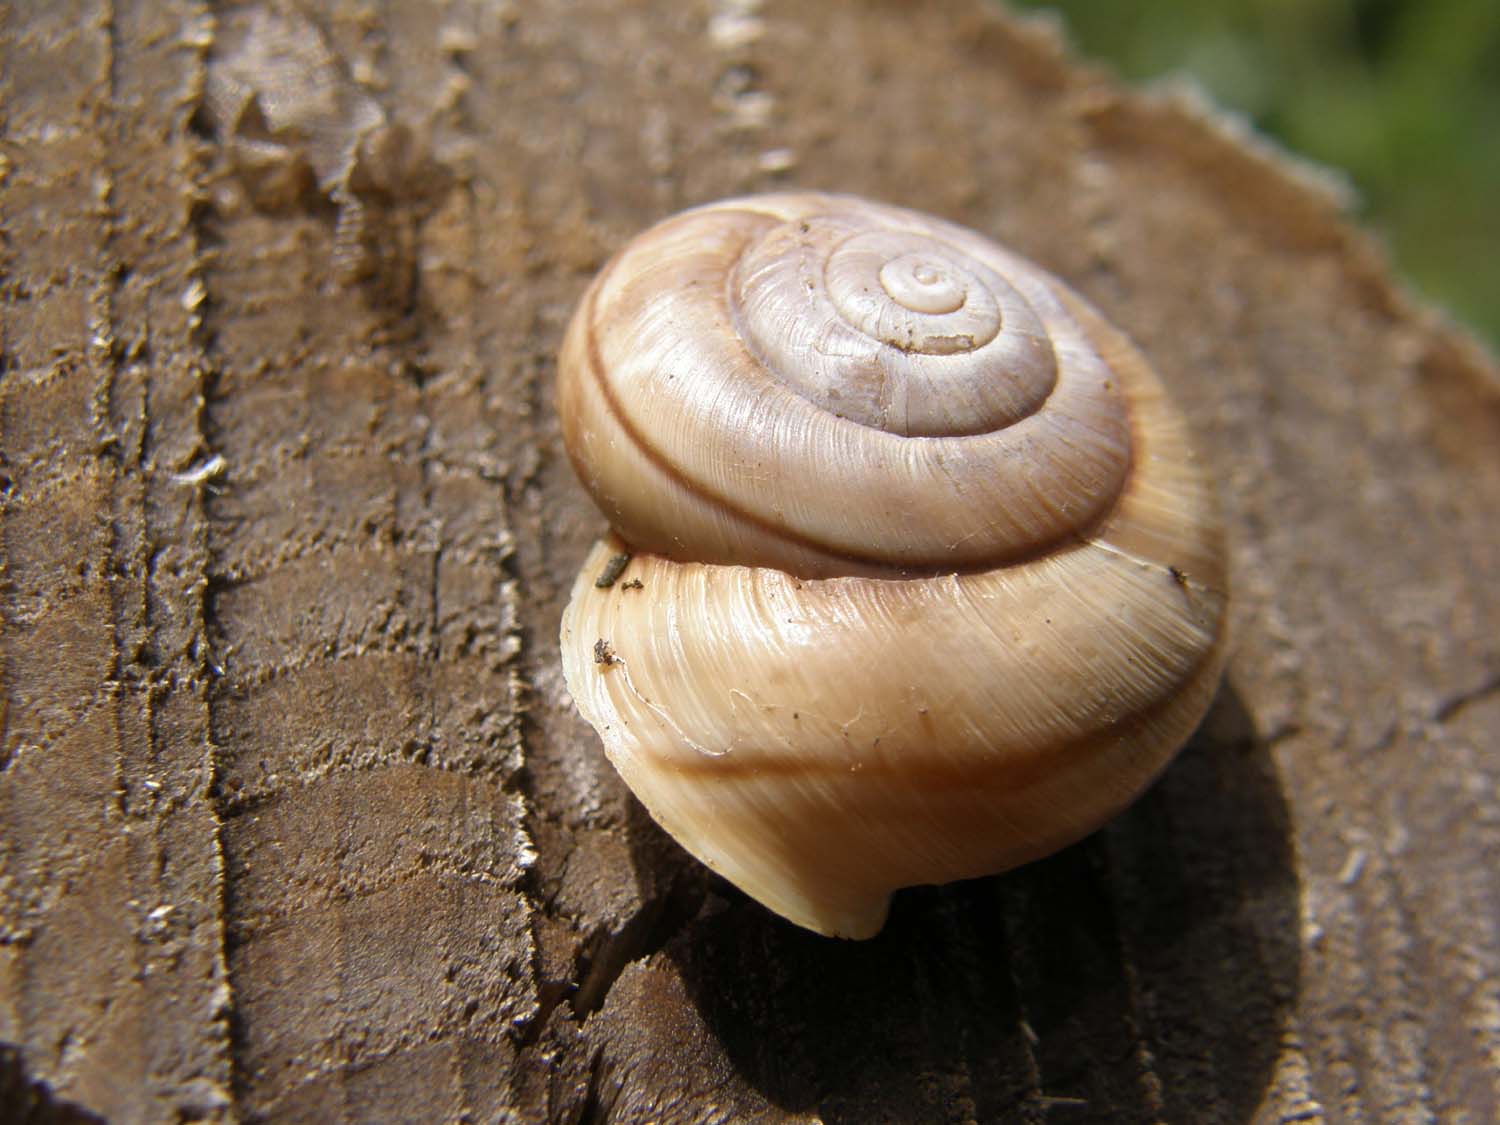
x: 604, y: 954
x: 205, y: 667
x: 29, y: 1101
x: 1019, y: 957
x: 600, y: 1094
x: 1454, y: 705
x: 211, y: 656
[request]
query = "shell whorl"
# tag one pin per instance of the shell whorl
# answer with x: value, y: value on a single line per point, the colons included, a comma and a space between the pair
x: 830, y: 386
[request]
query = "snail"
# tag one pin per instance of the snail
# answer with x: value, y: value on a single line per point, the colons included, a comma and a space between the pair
x: 914, y: 575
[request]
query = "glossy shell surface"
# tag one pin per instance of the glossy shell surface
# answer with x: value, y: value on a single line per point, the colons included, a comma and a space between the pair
x: 926, y: 578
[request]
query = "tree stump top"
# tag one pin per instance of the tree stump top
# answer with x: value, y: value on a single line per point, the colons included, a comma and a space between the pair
x: 296, y: 819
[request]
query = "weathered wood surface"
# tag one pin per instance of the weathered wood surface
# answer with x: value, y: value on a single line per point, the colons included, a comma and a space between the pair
x: 297, y: 821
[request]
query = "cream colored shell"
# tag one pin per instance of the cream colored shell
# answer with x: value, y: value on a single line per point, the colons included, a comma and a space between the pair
x: 926, y: 579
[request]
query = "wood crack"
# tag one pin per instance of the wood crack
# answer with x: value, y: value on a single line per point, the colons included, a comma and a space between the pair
x: 1453, y: 706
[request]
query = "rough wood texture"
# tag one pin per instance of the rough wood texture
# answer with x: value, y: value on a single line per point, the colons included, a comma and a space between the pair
x: 298, y: 823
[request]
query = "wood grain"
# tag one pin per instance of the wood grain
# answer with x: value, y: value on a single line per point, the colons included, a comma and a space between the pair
x: 296, y: 819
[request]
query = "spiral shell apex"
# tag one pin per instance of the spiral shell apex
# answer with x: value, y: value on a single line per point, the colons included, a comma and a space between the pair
x: 925, y: 579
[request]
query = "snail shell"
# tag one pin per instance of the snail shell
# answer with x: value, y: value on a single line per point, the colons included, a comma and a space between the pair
x: 925, y: 579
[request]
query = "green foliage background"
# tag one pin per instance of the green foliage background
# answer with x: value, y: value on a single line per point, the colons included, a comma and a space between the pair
x: 1401, y: 95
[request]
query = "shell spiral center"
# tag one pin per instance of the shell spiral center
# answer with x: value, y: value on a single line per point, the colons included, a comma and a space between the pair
x: 916, y: 300
x: 894, y: 328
